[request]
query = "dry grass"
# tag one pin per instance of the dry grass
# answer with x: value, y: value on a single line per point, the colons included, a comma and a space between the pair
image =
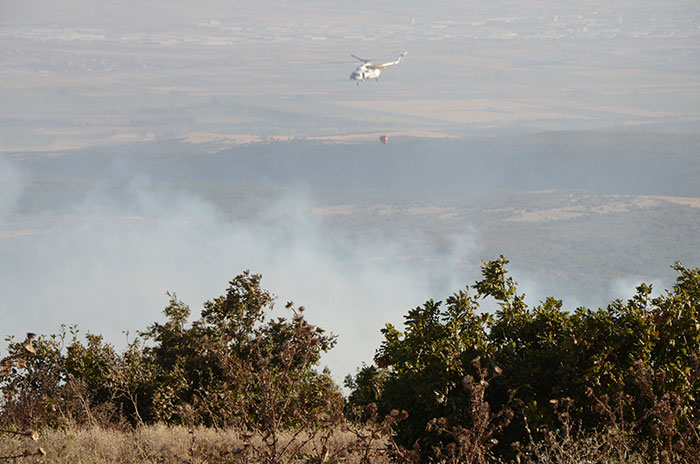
x: 164, y: 444
x: 610, y: 447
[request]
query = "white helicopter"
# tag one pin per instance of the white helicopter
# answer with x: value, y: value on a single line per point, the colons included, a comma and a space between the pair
x: 369, y: 70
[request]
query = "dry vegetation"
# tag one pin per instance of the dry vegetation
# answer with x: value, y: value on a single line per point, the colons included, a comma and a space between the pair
x: 178, y: 444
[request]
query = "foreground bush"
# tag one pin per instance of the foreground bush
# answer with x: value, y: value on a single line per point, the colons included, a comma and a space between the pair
x: 232, y: 366
x: 477, y: 385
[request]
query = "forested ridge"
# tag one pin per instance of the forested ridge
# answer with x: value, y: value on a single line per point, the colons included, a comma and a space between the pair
x: 454, y: 384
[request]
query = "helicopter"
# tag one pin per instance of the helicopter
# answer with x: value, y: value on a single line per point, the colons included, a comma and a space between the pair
x: 369, y: 70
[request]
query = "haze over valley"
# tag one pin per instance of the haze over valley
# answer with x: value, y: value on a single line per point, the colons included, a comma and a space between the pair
x: 96, y: 74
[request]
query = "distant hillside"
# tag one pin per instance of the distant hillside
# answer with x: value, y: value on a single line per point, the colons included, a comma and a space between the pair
x: 600, y: 162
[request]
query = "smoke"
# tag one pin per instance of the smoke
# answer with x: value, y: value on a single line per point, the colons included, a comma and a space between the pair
x: 11, y: 182
x: 626, y: 287
x: 106, y: 263
x: 623, y: 288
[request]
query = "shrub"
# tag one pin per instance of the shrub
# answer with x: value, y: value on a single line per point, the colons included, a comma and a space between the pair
x: 233, y: 365
x: 632, y: 363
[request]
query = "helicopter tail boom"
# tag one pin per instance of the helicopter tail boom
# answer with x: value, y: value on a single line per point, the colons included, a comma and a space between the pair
x: 391, y: 63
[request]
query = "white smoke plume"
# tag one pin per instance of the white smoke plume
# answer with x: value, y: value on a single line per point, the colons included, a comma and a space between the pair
x: 11, y: 182
x: 625, y: 288
x: 106, y: 263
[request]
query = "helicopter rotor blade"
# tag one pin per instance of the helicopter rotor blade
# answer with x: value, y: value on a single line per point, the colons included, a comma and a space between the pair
x: 335, y: 62
x: 358, y: 58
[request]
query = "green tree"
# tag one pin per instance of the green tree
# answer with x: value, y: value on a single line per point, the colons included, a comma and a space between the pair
x: 427, y: 363
x: 233, y: 365
x: 477, y: 383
